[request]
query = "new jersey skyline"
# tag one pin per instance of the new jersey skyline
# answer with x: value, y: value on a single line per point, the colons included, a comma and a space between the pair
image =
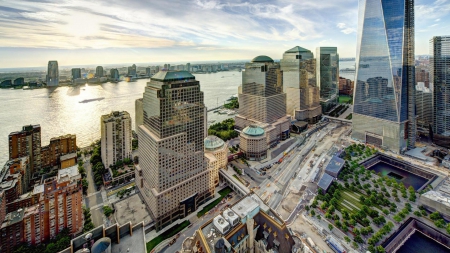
x: 113, y: 32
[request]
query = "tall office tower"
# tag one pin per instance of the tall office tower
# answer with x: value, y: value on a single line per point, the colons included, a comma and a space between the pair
x: 76, y: 73
x: 19, y: 81
x: 116, y: 137
x: 384, y: 106
x: 59, y: 146
x: 299, y: 84
x: 99, y: 72
x: 166, y: 66
x: 139, y: 112
x: 52, y: 77
x: 27, y: 143
x: 327, y: 67
x: 172, y: 174
x: 132, y: 70
x: 440, y: 76
x: 188, y: 67
x: 424, y: 106
x: 114, y: 74
x: 148, y: 71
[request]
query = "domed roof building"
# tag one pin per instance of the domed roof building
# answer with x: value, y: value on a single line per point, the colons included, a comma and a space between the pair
x: 253, y: 130
x: 253, y: 143
x: 262, y: 58
x: 102, y: 245
x: 216, y: 152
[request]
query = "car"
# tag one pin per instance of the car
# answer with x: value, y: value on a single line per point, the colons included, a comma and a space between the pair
x: 264, y: 173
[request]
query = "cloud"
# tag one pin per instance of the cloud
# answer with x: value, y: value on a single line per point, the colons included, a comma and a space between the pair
x: 341, y: 25
x: 345, y: 29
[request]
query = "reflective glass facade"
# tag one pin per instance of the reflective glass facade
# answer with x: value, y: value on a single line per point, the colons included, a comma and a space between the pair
x: 440, y: 76
x: 385, y: 86
x: 327, y: 60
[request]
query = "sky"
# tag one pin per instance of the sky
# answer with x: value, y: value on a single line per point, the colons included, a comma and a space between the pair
x: 82, y: 32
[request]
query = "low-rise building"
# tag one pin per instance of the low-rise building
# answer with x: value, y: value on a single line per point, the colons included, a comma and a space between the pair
x: 253, y: 143
x: 335, y: 166
x: 62, y: 145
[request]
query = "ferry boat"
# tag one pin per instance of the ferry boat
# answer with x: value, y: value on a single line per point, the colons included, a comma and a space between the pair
x: 91, y: 100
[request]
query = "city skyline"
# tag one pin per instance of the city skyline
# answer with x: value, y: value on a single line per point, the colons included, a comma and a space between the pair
x: 77, y: 33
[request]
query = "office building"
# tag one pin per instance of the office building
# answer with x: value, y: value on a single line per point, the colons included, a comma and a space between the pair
x: 114, y: 74
x: 440, y: 74
x: 262, y: 101
x: 346, y: 86
x: 116, y: 137
x: 384, y: 107
x: 59, y: 206
x: 424, y: 106
x: 59, y: 146
x: 19, y: 81
x: 247, y: 226
x: 52, y: 78
x: 188, y: 67
x: 172, y: 174
x: 99, y: 72
x: 139, y: 113
x: 423, y: 75
x: 328, y: 76
x: 6, y: 83
x: 299, y: 84
x: 76, y: 73
x: 27, y: 143
x: 132, y: 71
x: 148, y: 71
x: 253, y: 143
x: 216, y: 152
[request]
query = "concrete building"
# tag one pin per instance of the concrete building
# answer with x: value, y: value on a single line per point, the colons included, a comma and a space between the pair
x: 435, y: 201
x: 139, y: 113
x: 247, y: 226
x: 328, y: 76
x: 27, y: 143
x: 99, y: 72
x: 188, y: 67
x: 148, y: 71
x: 299, y: 85
x: 384, y: 97
x: 59, y: 146
x: 423, y: 75
x: 172, y: 174
x: 76, y: 73
x: 52, y: 77
x: 253, y: 143
x: 262, y: 100
x: 2, y: 206
x: 216, y: 152
x: 116, y: 137
x: 132, y: 71
x: 59, y: 207
x: 440, y: 76
x: 15, y: 178
x: 424, y: 106
x: 345, y: 86
x: 114, y: 73
x: 19, y: 81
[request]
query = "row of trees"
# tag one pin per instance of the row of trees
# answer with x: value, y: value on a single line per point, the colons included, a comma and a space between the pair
x: 88, y: 224
x: 60, y: 243
x: 97, y: 166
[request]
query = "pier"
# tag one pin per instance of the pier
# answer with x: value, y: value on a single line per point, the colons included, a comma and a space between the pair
x: 215, y: 108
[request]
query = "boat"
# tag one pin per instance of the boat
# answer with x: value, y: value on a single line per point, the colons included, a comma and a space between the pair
x: 231, y: 112
x: 223, y: 112
x: 211, y: 121
x: 91, y: 100
x: 222, y: 76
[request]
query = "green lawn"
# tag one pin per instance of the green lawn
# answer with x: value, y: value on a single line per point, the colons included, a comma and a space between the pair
x: 224, y: 192
x: 344, y: 99
x: 349, y: 201
x: 167, y: 234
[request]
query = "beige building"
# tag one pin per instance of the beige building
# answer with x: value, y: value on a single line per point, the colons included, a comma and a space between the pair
x: 216, y: 151
x: 253, y: 143
x: 172, y: 174
x: 299, y: 84
x: 247, y: 226
x: 116, y: 137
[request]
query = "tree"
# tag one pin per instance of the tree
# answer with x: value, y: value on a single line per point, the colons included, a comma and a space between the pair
x: 347, y: 239
x: 319, y: 217
x: 358, y: 239
x: 356, y: 231
x: 330, y: 227
x: 85, y: 185
x: 448, y: 228
x: 435, y: 216
x: 313, y: 213
x: 380, y: 249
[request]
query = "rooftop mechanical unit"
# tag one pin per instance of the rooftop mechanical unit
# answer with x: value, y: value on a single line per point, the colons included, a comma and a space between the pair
x: 221, y: 224
x: 231, y: 217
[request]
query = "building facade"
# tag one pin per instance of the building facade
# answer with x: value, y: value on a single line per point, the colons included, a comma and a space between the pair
x: 345, y: 86
x: 27, y: 143
x: 327, y: 67
x: 299, y: 85
x: 132, y: 71
x: 76, y: 73
x: 59, y: 146
x: 19, y: 81
x: 424, y: 106
x: 172, y: 174
x: 52, y: 77
x: 440, y: 76
x: 139, y: 114
x: 384, y: 100
x: 253, y: 143
x: 216, y: 152
x: 114, y: 74
x: 116, y: 137
x: 99, y: 72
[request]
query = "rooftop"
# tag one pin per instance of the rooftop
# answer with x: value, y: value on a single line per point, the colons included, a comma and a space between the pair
x: 131, y: 243
x: 335, y: 165
x: 438, y: 197
x: 253, y: 130
x: 67, y: 174
x: 13, y: 217
x: 213, y: 142
x: 245, y: 207
x: 325, y: 181
x: 297, y: 49
x: 169, y: 75
x: 262, y: 58
x: 68, y: 156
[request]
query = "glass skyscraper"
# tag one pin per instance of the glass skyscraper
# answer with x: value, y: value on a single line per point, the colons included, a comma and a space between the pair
x: 327, y: 67
x: 440, y: 76
x: 384, y: 96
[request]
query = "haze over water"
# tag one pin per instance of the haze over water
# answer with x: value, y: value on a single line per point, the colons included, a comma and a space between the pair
x: 59, y: 112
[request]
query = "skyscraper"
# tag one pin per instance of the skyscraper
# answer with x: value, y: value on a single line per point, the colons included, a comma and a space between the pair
x: 76, y: 73
x: 27, y: 143
x: 52, y: 74
x: 132, y: 70
x: 99, y: 72
x: 116, y: 137
x: 384, y: 95
x: 299, y: 84
x: 114, y: 74
x: 172, y: 174
x: 328, y: 76
x: 440, y: 76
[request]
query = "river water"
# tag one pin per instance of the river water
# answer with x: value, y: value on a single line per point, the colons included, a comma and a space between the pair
x: 59, y: 111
